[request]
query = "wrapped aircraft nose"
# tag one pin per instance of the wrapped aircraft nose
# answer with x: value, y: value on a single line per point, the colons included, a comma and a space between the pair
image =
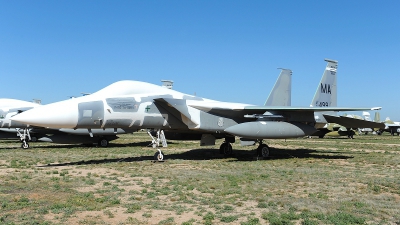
x: 57, y: 115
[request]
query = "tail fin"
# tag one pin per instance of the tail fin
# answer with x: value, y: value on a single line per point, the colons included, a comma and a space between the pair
x: 377, y: 117
x: 281, y: 92
x: 326, y: 93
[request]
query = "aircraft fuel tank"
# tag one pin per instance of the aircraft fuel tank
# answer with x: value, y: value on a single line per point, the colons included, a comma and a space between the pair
x: 271, y: 130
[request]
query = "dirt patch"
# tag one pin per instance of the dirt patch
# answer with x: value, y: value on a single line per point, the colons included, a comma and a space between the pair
x: 7, y: 171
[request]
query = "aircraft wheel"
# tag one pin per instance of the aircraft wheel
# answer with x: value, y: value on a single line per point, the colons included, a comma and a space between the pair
x: 34, y: 139
x: 221, y: 148
x: 103, y: 142
x: 226, y: 148
x: 159, y: 156
x: 25, y: 145
x: 321, y: 136
x: 263, y: 150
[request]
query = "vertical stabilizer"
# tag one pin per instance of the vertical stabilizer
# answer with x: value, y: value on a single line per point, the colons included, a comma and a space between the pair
x: 282, y: 90
x: 377, y: 117
x: 326, y: 94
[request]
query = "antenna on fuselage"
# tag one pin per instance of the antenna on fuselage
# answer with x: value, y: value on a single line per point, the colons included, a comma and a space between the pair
x: 167, y: 84
x: 37, y: 101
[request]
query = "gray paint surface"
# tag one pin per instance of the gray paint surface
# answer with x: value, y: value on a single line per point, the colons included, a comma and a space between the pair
x: 91, y: 114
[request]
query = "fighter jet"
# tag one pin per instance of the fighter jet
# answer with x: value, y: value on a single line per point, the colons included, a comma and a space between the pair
x: 391, y: 126
x: 141, y: 105
x: 9, y: 128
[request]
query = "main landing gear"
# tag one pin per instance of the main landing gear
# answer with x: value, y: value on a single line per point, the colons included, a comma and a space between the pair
x: 350, y: 133
x: 103, y: 142
x: 159, y: 155
x: 262, y: 150
x: 226, y: 149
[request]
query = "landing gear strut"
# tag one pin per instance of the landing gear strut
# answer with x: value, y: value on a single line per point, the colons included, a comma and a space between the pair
x: 159, y: 155
x: 24, y: 137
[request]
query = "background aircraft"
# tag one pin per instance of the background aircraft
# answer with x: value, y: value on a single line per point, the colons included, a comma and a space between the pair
x: 390, y: 126
x: 13, y: 129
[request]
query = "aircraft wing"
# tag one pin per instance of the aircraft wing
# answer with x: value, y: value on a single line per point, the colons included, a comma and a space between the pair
x: 352, y: 122
x: 308, y: 109
x: 237, y: 110
x: 251, y: 110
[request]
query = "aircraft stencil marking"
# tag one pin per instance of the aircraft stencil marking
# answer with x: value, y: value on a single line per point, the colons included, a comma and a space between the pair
x: 221, y: 122
x: 326, y: 88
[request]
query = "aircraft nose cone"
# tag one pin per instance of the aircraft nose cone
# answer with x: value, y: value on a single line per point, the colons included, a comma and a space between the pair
x: 57, y: 115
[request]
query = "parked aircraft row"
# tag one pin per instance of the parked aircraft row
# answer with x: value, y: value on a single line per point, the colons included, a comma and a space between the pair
x: 132, y: 105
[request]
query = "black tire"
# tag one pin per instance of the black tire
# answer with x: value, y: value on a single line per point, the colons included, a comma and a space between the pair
x: 159, y: 156
x: 221, y: 148
x: 103, y: 142
x: 226, y: 149
x: 25, y: 145
x: 263, y: 151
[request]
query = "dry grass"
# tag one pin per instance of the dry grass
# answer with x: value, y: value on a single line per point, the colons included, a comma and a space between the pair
x: 305, y: 181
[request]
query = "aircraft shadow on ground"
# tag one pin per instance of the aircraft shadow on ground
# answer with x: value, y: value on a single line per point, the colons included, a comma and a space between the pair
x: 213, y: 154
x: 66, y: 146
x: 250, y: 155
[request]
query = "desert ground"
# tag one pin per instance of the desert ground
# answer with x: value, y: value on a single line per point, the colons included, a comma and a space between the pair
x: 333, y: 180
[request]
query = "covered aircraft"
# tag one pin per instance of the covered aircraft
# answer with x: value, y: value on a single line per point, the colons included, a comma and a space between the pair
x: 141, y: 105
x: 12, y: 129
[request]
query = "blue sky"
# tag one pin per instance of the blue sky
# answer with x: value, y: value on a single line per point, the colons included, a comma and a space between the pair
x: 223, y: 50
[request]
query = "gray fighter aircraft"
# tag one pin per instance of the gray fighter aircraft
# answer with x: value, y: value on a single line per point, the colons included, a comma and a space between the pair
x: 141, y: 105
x: 13, y: 129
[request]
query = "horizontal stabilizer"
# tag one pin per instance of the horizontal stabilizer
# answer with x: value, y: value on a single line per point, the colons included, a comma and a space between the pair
x: 352, y: 122
x: 304, y: 109
x: 258, y: 116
